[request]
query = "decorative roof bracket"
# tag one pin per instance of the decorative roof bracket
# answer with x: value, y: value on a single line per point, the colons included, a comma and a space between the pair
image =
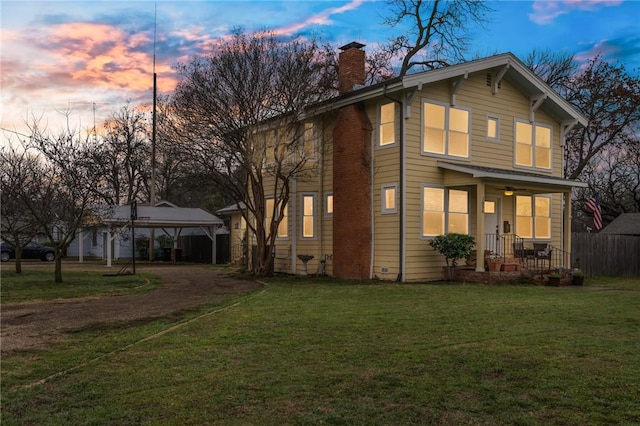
x: 565, y: 128
x: 536, y: 101
x: 498, y: 78
x: 408, y: 99
x: 456, y: 85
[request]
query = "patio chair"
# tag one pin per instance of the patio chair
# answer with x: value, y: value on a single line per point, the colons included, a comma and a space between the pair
x: 542, y: 253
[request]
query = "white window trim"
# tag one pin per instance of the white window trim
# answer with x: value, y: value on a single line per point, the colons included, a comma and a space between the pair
x: 286, y: 209
x: 326, y: 204
x: 383, y: 199
x: 379, y: 123
x: 533, y: 216
x: 315, y: 215
x: 497, y: 119
x: 447, y: 107
x: 533, y: 165
x: 314, y: 139
x: 446, y: 210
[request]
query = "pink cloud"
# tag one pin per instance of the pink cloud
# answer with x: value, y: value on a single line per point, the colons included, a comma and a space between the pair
x: 322, y: 18
x: 104, y: 56
x: 546, y: 11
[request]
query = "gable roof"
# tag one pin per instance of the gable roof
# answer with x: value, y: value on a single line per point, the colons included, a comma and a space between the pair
x: 625, y: 224
x: 163, y: 215
x: 505, y: 65
x: 233, y: 208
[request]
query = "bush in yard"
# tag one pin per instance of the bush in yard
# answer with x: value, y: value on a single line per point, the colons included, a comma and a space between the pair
x: 453, y: 247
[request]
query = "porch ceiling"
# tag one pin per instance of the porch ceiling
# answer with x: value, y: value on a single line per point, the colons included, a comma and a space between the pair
x: 503, y: 177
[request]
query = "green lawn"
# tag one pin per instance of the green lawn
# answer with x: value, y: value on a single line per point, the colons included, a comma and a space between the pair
x: 39, y: 285
x: 330, y: 352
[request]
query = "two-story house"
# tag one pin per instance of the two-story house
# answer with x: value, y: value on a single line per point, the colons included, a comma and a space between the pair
x: 474, y: 148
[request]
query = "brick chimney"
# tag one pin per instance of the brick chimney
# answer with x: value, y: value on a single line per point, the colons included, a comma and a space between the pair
x: 352, y: 174
x: 350, y: 66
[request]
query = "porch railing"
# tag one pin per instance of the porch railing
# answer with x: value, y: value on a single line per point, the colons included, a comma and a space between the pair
x: 537, y: 258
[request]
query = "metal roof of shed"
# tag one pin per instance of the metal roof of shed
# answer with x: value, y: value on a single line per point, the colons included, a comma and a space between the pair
x: 160, y: 216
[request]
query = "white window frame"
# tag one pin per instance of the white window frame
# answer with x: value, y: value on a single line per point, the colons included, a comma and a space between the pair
x: 534, y: 216
x: 380, y: 124
x: 383, y: 198
x: 534, y: 127
x: 267, y: 218
x: 328, y: 196
x: 303, y: 215
x: 447, y: 130
x: 446, y: 212
x: 495, y: 118
x: 306, y: 131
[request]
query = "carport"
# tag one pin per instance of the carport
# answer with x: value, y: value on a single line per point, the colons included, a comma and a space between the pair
x: 166, y: 216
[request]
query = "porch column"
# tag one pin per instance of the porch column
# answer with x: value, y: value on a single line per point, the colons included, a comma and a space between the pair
x: 480, y: 227
x: 214, y: 230
x: 567, y: 228
x: 80, y: 246
x: 109, y: 242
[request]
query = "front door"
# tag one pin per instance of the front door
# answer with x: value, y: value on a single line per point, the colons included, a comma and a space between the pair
x: 491, y: 223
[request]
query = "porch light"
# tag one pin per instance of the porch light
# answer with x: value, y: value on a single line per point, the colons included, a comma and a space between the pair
x: 508, y: 192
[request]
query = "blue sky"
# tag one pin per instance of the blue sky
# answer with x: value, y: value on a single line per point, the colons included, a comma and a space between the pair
x: 90, y: 57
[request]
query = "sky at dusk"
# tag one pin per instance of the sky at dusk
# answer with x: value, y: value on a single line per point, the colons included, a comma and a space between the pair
x: 89, y: 58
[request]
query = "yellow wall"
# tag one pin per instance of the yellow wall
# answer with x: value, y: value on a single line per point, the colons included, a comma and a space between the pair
x: 508, y: 104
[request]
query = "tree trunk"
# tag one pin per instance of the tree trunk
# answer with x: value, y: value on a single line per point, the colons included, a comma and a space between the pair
x: 58, y: 269
x: 18, y: 260
x: 264, y: 261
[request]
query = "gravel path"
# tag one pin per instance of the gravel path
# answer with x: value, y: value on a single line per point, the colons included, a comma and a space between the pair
x: 35, y: 325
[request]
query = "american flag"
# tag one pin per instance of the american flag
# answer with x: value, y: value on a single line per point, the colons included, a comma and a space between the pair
x: 593, y: 205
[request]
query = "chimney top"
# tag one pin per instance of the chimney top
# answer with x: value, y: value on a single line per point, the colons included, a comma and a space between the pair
x: 352, y: 45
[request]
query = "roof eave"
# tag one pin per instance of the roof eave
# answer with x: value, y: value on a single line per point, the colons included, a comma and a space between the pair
x: 512, y: 177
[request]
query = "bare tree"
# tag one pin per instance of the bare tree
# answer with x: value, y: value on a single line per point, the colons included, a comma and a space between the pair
x: 610, y: 99
x: 241, y: 111
x: 557, y: 69
x: 606, y: 153
x: 433, y: 33
x: 18, y: 226
x: 121, y: 157
x: 64, y: 195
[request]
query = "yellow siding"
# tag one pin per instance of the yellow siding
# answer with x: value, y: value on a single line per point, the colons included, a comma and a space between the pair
x: 423, y: 263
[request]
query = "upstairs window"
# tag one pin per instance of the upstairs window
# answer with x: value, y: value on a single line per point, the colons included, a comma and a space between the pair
x: 270, y: 146
x: 309, y: 142
x: 493, y: 129
x: 387, y: 127
x: 445, y: 130
x: 533, y: 145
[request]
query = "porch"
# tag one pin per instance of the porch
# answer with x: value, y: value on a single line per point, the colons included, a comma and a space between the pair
x: 510, y: 259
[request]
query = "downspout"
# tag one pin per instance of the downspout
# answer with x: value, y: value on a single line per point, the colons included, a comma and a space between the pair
x: 321, y: 200
x: 401, y: 253
x: 372, y: 206
x: 294, y: 225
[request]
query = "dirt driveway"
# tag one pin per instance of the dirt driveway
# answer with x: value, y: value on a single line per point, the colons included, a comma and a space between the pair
x: 35, y: 325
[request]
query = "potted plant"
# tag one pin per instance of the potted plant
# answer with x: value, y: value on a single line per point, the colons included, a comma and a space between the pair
x: 453, y: 247
x: 554, y: 280
x: 577, y: 277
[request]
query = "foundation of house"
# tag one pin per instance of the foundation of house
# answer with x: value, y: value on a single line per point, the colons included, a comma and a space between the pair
x: 511, y: 274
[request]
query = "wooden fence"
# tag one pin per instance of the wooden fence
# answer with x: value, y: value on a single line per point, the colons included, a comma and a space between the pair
x: 606, y: 255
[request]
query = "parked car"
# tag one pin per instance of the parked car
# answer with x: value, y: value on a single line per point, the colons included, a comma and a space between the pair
x: 30, y: 251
